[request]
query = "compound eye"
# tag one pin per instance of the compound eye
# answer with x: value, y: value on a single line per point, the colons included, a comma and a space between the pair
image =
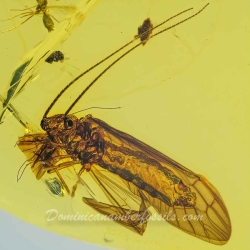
x: 68, y: 123
x: 43, y: 125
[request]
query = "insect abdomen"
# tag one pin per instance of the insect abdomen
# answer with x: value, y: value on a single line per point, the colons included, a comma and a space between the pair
x: 146, y: 174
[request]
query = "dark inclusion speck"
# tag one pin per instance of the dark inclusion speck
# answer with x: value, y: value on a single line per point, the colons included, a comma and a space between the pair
x: 145, y: 30
x: 56, y: 56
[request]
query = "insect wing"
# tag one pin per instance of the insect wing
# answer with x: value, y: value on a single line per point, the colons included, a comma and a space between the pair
x: 148, y: 168
x: 66, y: 9
x: 124, y: 207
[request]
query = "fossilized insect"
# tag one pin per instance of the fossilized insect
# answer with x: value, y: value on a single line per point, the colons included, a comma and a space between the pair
x: 56, y: 56
x: 123, y: 166
x: 42, y: 8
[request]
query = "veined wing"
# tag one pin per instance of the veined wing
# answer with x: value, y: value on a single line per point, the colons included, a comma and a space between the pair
x: 60, y: 12
x: 169, y: 187
x: 151, y: 176
x: 123, y: 206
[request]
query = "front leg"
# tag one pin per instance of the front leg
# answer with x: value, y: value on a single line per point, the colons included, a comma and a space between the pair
x: 46, y: 167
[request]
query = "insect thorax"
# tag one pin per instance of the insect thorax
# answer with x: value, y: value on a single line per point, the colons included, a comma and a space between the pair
x: 41, y: 6
x: 88, y: 143
x: 81, y: 140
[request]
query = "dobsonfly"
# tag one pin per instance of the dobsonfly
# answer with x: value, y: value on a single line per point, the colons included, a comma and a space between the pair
x: 43, y: 8
x: 123, y: 166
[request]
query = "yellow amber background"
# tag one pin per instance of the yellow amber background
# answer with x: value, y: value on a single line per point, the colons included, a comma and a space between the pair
x: 185, y: 93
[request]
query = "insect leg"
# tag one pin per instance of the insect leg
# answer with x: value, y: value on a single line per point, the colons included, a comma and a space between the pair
x: 21, y: 16
x: 17, y: 25
x: 47, y: 167
x: 54, y: 18
x: 123, y: 207
x: 87, y: 168
x: 131, y: 219
x: 25, y: 8
x: 62, y: 181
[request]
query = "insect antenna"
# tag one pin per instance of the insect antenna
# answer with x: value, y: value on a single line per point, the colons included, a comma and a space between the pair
x: 20, y: 24
x: 118, y: 50
x: 30, y: 13
x: 71, y: 65
x: 23, y: 9
x: 67, y: 58
x: 58, y: 56
x: 21, y: 16
x: 119, y: 58
x: 94, y: 108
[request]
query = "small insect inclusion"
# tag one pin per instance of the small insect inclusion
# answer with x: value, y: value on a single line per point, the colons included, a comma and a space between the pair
x: 56, y: 56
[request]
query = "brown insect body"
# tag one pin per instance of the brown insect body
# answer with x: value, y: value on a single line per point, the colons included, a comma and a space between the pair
x: 123, y: 166
x: 41, y: 8
x: 48, y: 22
x: 153, y: 177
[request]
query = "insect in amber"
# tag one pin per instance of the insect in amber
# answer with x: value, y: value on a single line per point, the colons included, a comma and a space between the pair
x: 121, y: 164
x: 56, y: 56
x: 43, y: 8
x: 143, y: 30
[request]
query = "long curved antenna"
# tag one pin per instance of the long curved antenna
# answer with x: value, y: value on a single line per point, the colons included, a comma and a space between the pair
x: 101, y: 74
x: 118, y: 59
x: 94, y: 108
x: 25, y: 8
x: 21, y: 15
x: 106, y: 58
